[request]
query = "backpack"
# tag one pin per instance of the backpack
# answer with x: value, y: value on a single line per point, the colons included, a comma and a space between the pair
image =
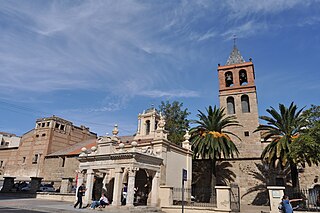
x: 280, y: 207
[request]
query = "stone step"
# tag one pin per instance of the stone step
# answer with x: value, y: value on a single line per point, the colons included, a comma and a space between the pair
x: 136, y: 209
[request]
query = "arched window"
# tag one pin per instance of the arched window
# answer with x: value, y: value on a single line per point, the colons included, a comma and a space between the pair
x: 245, y: 103
x: 230, y: 105
x: 243, y: 77
x: 156, y: 125
x: 229, y: 79
x: 147, y: 127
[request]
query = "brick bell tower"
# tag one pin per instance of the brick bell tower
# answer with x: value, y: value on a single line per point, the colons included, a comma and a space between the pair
x: 238, y: 95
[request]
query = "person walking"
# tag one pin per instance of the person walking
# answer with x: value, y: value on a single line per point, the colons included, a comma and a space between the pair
x: 286, y: 203
x: 80, y: 193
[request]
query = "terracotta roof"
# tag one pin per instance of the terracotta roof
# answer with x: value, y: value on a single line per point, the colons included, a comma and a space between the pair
x: 76, y: 148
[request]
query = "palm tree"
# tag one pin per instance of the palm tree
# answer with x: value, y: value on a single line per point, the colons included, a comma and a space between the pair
x: 209, y: 138
x: 282, y: 128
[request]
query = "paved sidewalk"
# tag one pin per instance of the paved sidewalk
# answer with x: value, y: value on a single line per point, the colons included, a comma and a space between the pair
x: 254, y: 209
x: 14, y: 204
x: 33, y: 204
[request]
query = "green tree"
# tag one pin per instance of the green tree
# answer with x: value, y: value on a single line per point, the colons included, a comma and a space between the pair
x: 283, y: 128
x: 305, y: 150
x: 313, y: 116
x: 209, y: 137
x: 176, y: 120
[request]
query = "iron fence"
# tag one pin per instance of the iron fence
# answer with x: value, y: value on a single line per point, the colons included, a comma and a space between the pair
x: 310, y: 199
x: 202, y: 197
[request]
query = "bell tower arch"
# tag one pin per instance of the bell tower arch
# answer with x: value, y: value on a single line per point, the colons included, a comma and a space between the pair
x: 238, y: 95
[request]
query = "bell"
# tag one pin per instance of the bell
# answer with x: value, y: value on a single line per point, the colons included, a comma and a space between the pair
x: 228, y: 78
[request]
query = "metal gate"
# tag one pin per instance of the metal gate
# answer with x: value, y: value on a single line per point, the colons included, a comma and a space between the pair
x: 235, y: 197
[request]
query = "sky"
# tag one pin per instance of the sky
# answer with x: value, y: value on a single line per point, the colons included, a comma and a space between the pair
x: 100, y: 63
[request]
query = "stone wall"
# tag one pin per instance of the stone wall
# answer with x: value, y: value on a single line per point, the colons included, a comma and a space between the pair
x: 50, y: 135
x: 6, y: 155
x: 54, y: 170
x: 309, y: 177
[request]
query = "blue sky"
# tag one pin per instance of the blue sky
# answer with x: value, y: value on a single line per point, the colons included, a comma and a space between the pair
x: 98, y: 63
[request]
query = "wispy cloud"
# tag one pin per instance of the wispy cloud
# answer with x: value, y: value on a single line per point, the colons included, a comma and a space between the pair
x: 122, y: 49
x: 245, y: 30
x: 170, y: 94
x: 246, y: 8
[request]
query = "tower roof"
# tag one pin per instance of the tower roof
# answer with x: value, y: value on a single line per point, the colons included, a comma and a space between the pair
x: 235, y: 57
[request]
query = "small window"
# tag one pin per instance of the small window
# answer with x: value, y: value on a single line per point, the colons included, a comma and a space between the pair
x: 48, y: 123
x: 147, y: 127
x: 1, y: 163
x: 39, y: 124
x: 23, y: 159
x: 63, y: 161
x: 61, y: 127
x: 230, y: 105
x: 35, y: 159
x: 246, y: 133
x: 156, y: 125
x: 2, y: 143
x: 229, y: 79
x: 43, y: 135
x: 37, y: 136
x: 57, y: 125
x: 43, y: 124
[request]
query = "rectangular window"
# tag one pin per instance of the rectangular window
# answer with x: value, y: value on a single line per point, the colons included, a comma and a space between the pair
x: 57, y: 126
x: 63, y: 161
x: 35, y: 159
x: 1, y: 163
x: 43, y: 124
x: 48, y: 123
x: 246, y: 133
x: 61, y: 127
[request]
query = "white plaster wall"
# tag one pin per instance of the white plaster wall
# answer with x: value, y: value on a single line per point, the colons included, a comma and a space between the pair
x: 175, y: 163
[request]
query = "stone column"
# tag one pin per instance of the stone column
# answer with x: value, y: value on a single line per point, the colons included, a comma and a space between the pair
x: 117, y: 187
x: 89, y: 187
x: 155, y: 190
x: 8, y: 184
x: 275, y: 195
x: 66, y: 185
x: 131, y: 182
x: 35, y: 184
x: 223, y: 198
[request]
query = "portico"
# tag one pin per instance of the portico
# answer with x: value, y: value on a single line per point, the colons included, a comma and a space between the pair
x: 142, y: 163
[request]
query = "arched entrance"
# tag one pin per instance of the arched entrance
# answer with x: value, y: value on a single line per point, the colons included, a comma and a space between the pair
x: 143, y: 186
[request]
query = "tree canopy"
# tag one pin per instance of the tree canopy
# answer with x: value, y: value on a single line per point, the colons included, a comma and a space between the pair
x: 306, y: 149
x: 209, y: 138
x: 293, y: 135
x: 176, y: 118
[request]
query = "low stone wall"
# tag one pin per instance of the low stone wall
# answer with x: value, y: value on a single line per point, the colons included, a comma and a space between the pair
x: 69, y: 197
x: 192, y: 209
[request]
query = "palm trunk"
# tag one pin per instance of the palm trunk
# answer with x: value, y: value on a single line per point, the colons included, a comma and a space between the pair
x: 294, y: 175
x: 213, y: 180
